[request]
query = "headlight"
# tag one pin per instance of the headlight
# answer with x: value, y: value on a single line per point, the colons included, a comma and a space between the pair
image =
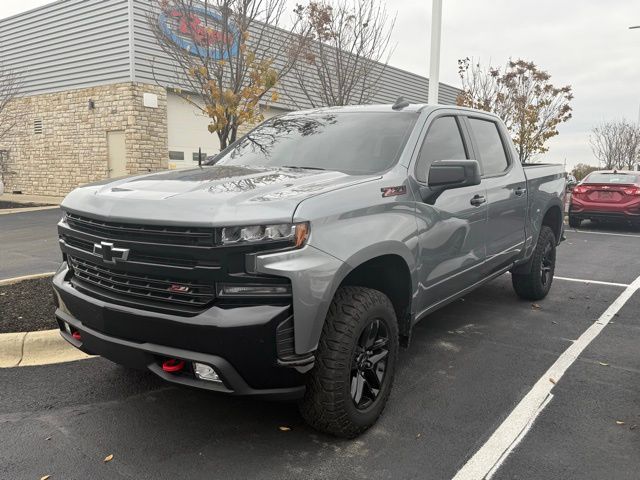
x: 295, y: 233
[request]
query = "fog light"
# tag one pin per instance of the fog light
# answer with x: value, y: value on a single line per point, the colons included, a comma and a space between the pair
x: 205, y: 372
x: 246, y: 290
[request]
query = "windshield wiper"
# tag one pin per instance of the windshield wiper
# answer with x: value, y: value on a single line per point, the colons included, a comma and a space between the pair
x: 303, y: 168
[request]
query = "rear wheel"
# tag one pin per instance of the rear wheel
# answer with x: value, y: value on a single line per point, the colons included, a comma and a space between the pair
x: 536, y: 284
x: 350, y: 383
x: 574, y: 222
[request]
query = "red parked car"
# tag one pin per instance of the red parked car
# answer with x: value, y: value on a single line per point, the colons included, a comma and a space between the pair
x: 606, y: 195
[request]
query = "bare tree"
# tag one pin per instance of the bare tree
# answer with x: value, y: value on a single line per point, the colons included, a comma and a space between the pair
x: 616, y: 144
x: 632, y: 140
x: 523, y: 96
x: 231, y: 54
x: 347, y: 53
x: 10, y: 86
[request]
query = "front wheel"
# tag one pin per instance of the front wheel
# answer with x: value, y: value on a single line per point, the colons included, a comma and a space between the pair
x: 536, y: 284
x: 350, y: 383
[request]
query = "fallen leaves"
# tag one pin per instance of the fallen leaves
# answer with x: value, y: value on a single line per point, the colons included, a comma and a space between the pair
x: 108, y: 458
x: 46, y: 477
x: 552, y: 381
x: 619, y: 422
x: 535, y: 306
x: 284, y: 429
x: 603, y: 364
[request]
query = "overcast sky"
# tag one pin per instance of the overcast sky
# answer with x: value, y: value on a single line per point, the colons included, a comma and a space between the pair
x: 583, y: 43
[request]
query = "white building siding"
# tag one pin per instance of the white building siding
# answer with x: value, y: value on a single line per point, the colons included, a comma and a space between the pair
x: 152, y: 65
x: 71, y: 44
x: 68, y: 44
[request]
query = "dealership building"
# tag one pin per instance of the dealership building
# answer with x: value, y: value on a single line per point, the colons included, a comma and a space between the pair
x: 97, y: 100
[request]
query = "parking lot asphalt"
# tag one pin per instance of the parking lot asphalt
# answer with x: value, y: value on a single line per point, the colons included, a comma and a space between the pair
x: 29, y: 243
x: 468, y: 366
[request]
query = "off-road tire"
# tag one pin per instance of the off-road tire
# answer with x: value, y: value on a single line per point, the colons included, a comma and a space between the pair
x: 327, y: 405
x: 574, y: 222
x: 530, y: 286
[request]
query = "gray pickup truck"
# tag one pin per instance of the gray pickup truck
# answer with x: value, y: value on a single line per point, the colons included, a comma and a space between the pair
x: 295, y: 263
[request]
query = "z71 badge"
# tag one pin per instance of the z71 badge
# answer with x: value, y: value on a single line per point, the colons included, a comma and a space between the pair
x: 393, y: 191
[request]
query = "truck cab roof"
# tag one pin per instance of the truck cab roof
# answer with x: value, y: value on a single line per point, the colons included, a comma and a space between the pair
x: 381, y: 108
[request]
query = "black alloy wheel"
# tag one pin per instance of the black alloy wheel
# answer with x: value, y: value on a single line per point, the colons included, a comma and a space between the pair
x: 548, y: 264
x: 369, y: 364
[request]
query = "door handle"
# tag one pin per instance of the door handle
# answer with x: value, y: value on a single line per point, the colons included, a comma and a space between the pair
x: 478, y: 200
x: 520, y: 191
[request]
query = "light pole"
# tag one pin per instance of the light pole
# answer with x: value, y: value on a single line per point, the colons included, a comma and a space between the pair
x: 631, y: 28
x: 434, y: 60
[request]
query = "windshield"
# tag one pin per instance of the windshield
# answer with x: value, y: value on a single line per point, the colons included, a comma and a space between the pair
x: 621, y: 178
x: 356, y: 143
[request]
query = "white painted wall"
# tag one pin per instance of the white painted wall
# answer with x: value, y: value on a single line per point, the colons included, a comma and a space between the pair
x: 188, y: 130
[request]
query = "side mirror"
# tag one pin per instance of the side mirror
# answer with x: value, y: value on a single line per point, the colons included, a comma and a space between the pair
x: 450, y: 174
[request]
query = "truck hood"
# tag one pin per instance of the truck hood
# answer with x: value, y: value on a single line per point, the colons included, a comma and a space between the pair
x: 207, y: 196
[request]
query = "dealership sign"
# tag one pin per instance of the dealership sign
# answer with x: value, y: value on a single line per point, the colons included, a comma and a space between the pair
x: 201, y: 32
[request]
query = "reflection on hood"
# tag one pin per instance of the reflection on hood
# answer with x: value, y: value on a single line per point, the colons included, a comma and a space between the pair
x: 252, y: 183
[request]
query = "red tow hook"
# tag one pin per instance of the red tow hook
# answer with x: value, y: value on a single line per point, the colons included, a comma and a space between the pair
x: 76, y: 335
x: 173, y: 365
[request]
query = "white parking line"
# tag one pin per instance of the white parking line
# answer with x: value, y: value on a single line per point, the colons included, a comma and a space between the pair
x: 603, y: 233
x: 597, y: 282
x: 488, y: 459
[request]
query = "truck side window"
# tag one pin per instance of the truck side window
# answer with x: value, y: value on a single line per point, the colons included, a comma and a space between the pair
x: 493, y: 158
x: 443, y: 142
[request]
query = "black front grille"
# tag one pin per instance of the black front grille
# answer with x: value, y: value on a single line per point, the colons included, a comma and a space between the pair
x: 188, y: 236
x: 139, y: 286
x: 142, y: 258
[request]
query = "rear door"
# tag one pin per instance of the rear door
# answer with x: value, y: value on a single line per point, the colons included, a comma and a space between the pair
x: 506, y: 186
x: 452, y: 230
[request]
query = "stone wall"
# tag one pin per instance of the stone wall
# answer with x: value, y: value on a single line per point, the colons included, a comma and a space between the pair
x: 72, y: 148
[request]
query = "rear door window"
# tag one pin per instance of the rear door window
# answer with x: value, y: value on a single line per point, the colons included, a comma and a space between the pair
x: 443, y: 142
x: 619, y: 178
x: 493, y: 157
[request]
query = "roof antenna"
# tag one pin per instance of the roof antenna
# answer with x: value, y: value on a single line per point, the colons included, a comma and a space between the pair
x: 400, y: 104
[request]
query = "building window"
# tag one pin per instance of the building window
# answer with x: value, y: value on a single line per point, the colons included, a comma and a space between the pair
x: 175, y: 155
x: 203, y: 156
x: 38, y: 127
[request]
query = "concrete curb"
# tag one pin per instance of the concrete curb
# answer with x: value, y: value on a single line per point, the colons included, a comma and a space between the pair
x: 28, y: 349
x: 26, y: 198
x: 11, y: 281
x: 8, y: 211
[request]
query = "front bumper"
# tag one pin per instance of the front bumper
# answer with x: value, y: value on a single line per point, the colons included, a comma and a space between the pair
x: 239, y: 342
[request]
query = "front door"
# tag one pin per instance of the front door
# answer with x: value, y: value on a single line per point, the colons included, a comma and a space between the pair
x: 452, y: 229
x: 117, y: 154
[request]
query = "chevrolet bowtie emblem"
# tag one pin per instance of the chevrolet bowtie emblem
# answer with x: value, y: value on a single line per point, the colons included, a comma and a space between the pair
x: 109, y: 253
